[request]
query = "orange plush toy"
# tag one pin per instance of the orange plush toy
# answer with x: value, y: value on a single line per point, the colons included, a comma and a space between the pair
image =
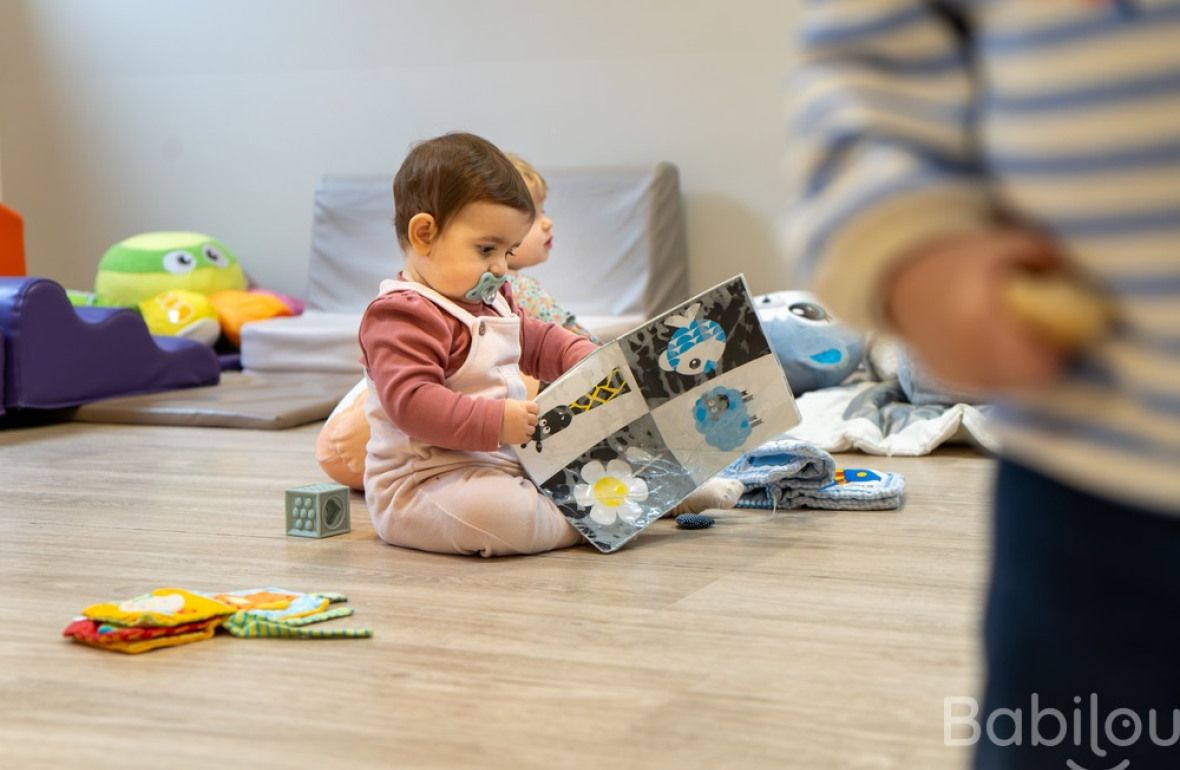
x: 236, y: 308
x: 12, y: 242
x: 340, y: 447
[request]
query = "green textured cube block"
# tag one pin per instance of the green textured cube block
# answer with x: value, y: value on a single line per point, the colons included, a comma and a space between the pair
x: 318, y: 510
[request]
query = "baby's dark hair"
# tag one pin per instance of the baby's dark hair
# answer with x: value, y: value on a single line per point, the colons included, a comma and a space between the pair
x: 442, y: 175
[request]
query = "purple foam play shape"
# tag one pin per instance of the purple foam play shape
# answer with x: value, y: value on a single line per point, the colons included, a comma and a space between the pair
x: 56, y: 355
x: 230, y: 362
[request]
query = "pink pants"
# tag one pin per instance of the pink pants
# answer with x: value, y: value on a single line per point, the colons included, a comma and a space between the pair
x: 475, y: 510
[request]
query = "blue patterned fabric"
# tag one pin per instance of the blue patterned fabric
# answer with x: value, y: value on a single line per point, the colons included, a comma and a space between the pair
x: 787, y: 473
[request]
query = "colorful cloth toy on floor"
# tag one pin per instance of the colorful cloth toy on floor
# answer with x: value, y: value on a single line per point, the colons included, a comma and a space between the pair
x: 133, y: 640
x: 168, y: 617
x: 273, y: 612
x: 787, y: 473
x: 161, y: 607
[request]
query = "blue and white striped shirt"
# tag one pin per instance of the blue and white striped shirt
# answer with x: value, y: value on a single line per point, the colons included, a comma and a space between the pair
x: 918, y: 119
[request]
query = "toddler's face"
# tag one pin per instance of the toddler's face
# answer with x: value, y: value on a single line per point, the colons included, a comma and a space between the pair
x: 534, y: 249
x: 476, y: 240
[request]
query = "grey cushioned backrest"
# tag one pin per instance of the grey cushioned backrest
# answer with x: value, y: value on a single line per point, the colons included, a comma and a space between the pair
x: 619, y: 243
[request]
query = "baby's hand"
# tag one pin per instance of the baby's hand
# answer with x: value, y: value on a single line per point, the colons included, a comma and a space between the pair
x: 948, y: 302
x: 520, y: 418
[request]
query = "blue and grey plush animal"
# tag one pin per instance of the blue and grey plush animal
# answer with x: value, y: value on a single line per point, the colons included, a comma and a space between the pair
x: 814, y: 349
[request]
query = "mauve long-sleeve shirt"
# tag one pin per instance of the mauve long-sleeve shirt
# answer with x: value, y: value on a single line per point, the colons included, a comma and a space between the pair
x: 410, y: 347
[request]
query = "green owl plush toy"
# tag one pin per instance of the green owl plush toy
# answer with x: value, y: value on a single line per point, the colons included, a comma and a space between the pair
x: 169, y: 277
x: 143, y: 266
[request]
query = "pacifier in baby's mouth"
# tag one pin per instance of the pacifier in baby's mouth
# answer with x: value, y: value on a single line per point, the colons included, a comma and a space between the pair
x: 486, y: 290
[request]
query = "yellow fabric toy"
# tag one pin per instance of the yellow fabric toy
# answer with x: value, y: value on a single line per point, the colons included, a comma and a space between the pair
x: 165, y: 617
x: 161, y: 607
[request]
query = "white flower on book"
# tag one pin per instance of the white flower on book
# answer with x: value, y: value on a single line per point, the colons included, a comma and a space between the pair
x: 611, y: 492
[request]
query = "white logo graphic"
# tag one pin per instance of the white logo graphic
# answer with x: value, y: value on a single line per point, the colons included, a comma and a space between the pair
x: 1086, y: 726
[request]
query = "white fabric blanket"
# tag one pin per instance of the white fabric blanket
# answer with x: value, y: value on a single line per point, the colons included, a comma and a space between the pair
x: 876, y: 418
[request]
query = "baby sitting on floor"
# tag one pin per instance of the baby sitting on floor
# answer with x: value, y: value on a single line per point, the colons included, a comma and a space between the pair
x: 340, y: 448
x: 341, y: 445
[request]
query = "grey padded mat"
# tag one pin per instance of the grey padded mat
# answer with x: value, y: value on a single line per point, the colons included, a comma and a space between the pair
x: 620, y: 244
x: 256, y: 400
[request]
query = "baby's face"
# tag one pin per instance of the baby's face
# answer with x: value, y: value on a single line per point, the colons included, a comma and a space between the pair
x: 534, y: 249
x: 476, y: 240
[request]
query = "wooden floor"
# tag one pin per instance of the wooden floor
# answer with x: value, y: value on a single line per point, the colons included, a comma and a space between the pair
x: 799, y: 640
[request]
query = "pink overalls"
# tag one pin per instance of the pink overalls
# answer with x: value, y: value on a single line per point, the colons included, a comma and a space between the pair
x: 450, y: 501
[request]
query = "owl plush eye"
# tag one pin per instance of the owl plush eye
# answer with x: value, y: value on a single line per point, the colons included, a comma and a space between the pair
x: 214, y: 256
x: 179, y: 262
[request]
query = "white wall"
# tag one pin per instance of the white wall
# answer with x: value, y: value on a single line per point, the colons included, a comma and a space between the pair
x: 121, y: 116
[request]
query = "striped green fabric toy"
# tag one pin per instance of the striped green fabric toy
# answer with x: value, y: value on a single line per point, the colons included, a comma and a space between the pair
x: 275, y: 613
x: 251, y: 625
